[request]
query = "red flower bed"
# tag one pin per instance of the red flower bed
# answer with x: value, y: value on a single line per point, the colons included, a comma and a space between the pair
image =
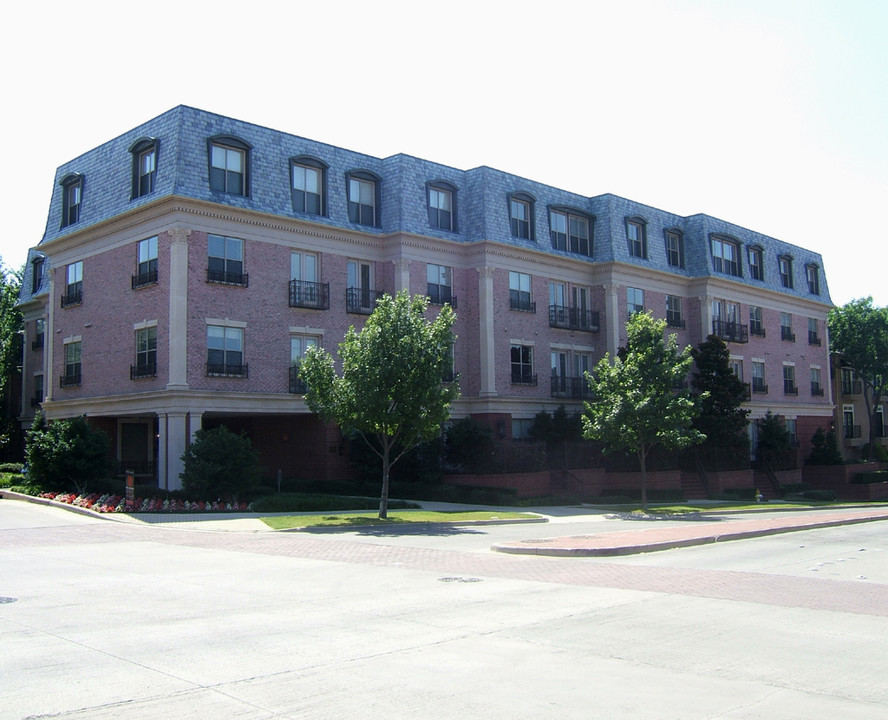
x: 117, y: 503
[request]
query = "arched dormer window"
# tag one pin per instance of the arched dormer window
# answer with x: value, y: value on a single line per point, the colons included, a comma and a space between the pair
x: 725, y: 255
x: 521, y: 215
x: 144, y: 152
x: 229, y: 161
x: 570, y: 230
x: 441, y: 197
x: 362, y: 188
x: 675, y: 250
x: 308, y: 185
x: 636, y: 236
x: 72, y: 198
x: 755, y: 256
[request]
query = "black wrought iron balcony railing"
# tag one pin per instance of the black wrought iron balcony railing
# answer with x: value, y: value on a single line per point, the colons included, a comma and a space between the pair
x: 441, y: 295
x: 143, y: 279
x: 571, y: 318
x: 523, y: 377
x: 72, y: 298
x: 813, y: 339
x: 306, y: 294
x: 69, y: 379
x: 224, y: 277
x: 521, y: 301
x: 790, y: 388
x: 758, y: 385
x: 730, y: 331
x: 573, y: 388
x: 787, y: 334
x: 673, y: 321
x: 143, y: 370
x: 816, y: 389
x: 297, y: 384
x: 855, y: 387
x: 227, y: 370
x: 852, y: 432
x: 757, y: 329
x: 361, y: 301
x: 37, y: 342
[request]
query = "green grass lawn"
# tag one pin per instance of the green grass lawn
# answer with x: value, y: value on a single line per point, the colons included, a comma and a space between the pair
x: 399, y: 517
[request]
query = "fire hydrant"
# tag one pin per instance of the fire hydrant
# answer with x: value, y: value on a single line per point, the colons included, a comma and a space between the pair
x: 758, y: 496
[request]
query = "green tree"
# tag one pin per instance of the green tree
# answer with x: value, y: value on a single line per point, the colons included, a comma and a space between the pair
x: 635, y: 405
x: 858, y: 332
x: 220, y: 463
x: 391, y: 390
x: 68, y: 452
x: 722, y: 419
x: 775, y: 442
x: 10, y: 350
x: 824, y: 449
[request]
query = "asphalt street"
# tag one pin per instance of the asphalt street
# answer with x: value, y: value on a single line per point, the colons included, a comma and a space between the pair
x: 201, y: 619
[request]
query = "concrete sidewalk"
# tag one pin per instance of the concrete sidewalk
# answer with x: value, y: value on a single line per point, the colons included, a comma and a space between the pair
x: 629, y: 542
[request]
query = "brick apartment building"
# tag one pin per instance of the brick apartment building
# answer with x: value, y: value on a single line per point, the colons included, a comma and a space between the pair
x: 188, y: 264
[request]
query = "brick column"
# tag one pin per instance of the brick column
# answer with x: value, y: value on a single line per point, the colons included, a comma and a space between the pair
x: 485, y: 328
x: 178, y: 378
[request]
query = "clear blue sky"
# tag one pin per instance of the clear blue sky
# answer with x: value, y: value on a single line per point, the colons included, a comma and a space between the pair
x: 769, y: 114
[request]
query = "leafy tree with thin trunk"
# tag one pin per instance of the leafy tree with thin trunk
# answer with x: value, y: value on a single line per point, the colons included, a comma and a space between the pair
x: 10, y: 350
x: 635, y: 403
x: 65, y: 452
x: 391, y: 390
x: 858, y: 333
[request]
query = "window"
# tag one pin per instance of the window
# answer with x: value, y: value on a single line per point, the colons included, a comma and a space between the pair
x: 786, y: 327
x: 812, y: 273
x: 522, y: 365
x: 39, y: 334
x: 816, y: 385
x: 636, y: 234
x: 784, y: 263
x: 308, y: 189
x: 146, y: 271
x: 756, y: 326
x: 442, y: 206
x: 635, y: 300
x: 72, y: 364
x: 850, y: 430
x: 850, y: 384
x: 758, y: 377
x: 790, y: 425
x: 878, y: 418
x: 521, y: 216
x: 570, y: 231
x: 229, y: 165
x: 736, y: 368
x: 225, y: 351
x: 225, y: 257
x: 73, y: 285
x: 813, y: 335
x: 305, y: 290
x: 360, y: 295
x: 38, y: 391
x: 726, y: 322
x: 673, y: 312
x: 37, y: 265
x: 675, y: 248
x: 363, y: 199
x: 725, y: 256
x: 756, y: 268
x: 299, y: 345
x: 789, y: 382
x: 72, y: 196
x: 144, y: 153
x: 519, y: 292
x: 439, y: 284
x: 146, y: 353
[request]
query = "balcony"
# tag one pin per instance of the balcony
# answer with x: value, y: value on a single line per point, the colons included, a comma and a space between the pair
x: 758, y: 386
x: 852, y: 432
x: 757, y: 329
x: 787, y: 334
x: 813, y: 339
x: 573, y: 388
x: 570, y: 318
x: 223, y: 277
x: 674, y: 321
x: 297, y: 384
x: 790, y: 388
x: 74, y: 297
x: 309, y: 295
x: 143, y: 279
x: 523, y: 376
x: 227, y: 370
x: 854, y: 387
x: 730, y: 331
x: 71, y: 379
x: 143, y: 370
x: 441, y: 295
x: 522, y: 304
x: 816, y: 389
x: 361, y: 300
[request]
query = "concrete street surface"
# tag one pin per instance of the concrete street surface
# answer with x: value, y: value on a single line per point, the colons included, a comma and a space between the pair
x: 156, y: 617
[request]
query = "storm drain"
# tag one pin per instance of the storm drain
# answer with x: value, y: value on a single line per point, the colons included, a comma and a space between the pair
x: 459, y: 579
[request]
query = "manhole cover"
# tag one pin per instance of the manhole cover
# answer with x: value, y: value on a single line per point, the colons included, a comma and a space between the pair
x: 459, y: 579
x: 4, y: 600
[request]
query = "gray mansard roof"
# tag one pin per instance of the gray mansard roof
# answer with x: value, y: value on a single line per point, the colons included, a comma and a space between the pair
x: 183, y: 134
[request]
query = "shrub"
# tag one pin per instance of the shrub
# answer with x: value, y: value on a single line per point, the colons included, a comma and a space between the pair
x: 468, y: 446
x: 824, y: 449
x: 219, y: 463
x: 820, y: 495
x: 14, y: 468
x: 868, y: 478
x: 66, y: 452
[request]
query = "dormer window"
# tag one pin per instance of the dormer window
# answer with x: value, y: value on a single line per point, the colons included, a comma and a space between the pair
x: 72, y: 196
x: 363, y: 198
x: 308, y: 178
x: 144, y: 153
x: 636, y: 235
x: 521, y: 216
x: 229, y: 165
